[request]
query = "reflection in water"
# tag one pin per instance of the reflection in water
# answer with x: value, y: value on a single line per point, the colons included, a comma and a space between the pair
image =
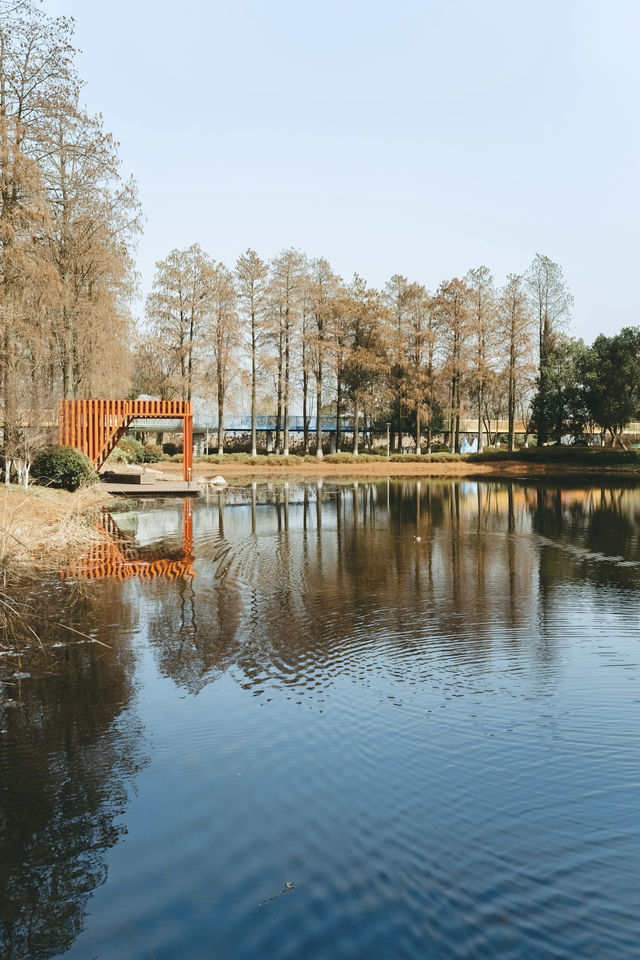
x: 299, y: 583
x: 117, y: 555
x: 416, y: 704
x: 69, y: 748
x: 298, y: 579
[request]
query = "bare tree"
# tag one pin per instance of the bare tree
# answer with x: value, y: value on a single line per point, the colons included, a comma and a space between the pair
x: 453, y: 310
x: 323, y: 286
x: 515, y: 326
x: 178, y: 311
x: 395, y: 295
x: 36, y: 72
x: 482, y: 329
x: 223, y: 339
x: 94, y: 217
x: 285, y: 289
x: 551, y: 302
x: 251, y: 273
x: 418, y: 346
x: 306, y: 372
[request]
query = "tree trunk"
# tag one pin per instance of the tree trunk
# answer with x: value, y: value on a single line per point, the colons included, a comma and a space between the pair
x: 286, y: 390
x: 356, y: 436
x: 279, y: 409
x: 512, y: 412
x: 338, y: 413
x: 220, y: 427
x: 254, y: 443
x: 305, y: 420
x: 452, y: 397
x: 318, y: 414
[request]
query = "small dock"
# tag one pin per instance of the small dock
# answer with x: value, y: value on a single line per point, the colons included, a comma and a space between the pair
x: 160, y: 488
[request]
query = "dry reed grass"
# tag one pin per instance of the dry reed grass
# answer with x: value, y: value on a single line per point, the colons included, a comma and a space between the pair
x: 41, y: 527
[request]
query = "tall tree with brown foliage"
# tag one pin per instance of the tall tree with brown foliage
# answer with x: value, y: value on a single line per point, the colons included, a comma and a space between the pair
x: 35, y: 73
x: 365, y: 360
x: 223, y: 339
x: 178, y: 311
x: 323, y: 286
x: 482, y: 331
x: 515, y: 324
x: 251, y: 287
x: 94, y: 217
x: 453, y: 309
x: 285, y: 290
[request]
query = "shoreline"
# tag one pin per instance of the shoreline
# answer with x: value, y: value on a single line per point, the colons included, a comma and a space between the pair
x: 498, y: 470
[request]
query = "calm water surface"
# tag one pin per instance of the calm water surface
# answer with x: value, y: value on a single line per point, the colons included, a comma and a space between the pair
x: 374, y: 720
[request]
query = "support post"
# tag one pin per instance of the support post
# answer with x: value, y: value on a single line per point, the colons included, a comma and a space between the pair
x: 187, y: 447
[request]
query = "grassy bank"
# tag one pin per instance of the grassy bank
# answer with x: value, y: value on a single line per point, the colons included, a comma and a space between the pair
x: 41, y: 527
x: 551, y: 462
x: 592, y: 457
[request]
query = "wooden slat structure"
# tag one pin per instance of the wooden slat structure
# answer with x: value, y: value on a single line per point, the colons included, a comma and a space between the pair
x: 95, y: 426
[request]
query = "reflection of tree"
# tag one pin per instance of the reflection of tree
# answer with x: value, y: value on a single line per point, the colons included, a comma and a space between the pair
x: 585, y: 531
x: 301, y: 585
x: 296, y: 585
x: 67, y: 757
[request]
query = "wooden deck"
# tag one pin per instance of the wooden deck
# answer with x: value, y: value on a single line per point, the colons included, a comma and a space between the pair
x: 161, y: 488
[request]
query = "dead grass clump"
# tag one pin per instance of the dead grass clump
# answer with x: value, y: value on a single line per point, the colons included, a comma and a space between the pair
x: 41, y: 527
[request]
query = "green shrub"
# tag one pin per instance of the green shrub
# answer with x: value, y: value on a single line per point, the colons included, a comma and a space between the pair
x: 118, y: 455
x: 64, y: 467
x: 444, y: 457
x: 130, y: 450
x: 133, y: 448
x: 151, y: 453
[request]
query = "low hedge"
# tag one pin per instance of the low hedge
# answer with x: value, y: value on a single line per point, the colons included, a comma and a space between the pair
x: 578, y: 455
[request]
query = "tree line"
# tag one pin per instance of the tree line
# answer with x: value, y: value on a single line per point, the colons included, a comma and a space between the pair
x: 67, y: 224
x: 291, y: 331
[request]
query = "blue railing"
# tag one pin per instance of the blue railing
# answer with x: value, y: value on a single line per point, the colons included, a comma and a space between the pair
x: 241, y: 423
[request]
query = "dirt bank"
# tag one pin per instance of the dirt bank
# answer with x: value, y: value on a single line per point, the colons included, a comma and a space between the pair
x: 506, y: 469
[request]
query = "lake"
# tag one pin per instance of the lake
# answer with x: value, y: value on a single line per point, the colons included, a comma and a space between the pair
x: 396, y: 719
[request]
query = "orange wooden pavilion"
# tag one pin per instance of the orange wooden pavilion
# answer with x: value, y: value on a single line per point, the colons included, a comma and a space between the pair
x: 95, y: 426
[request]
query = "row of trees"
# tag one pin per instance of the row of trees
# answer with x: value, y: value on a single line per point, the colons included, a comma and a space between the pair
x: 291, y: 331
x: 67, y: 224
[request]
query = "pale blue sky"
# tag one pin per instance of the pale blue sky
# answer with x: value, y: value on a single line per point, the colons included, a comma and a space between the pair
x: 420, y: 138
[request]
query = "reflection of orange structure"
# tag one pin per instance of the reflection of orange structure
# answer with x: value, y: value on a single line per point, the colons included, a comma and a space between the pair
x: 117, y: 558
x: 95, y: 426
